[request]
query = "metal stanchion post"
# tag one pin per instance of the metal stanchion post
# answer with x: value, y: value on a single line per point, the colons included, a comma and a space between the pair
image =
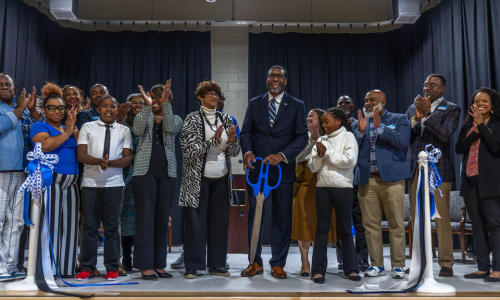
x: 430, y: 285
x: 28, y: 284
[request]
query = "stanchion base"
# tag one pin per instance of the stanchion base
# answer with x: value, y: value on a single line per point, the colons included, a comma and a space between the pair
x: 27, y: 284
x: 431, y: 286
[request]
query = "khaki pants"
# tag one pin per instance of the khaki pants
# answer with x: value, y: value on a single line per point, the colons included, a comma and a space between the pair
x: 375, y: 197
x: 443, y: 224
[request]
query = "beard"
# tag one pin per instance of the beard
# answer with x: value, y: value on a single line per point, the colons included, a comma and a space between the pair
x: 369, y: 114
x: 275, y: 91
x: 347, y: 111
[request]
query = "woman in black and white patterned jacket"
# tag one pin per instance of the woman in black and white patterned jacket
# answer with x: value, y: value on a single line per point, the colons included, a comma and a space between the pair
x: 208, y: 140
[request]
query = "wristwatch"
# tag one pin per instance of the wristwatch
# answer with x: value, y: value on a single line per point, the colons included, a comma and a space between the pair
x: 428, y: 114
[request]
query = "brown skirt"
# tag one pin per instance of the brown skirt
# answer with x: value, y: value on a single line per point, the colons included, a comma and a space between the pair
x: 304, y: 218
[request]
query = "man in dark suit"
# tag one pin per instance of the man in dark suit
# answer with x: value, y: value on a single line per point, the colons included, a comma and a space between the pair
x: 433, y: 121
x: 347, y: 105
x: 383, y: 139
x: 275, y: 129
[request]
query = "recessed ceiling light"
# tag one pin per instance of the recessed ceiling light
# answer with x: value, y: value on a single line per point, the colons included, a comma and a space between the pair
x: 211, y: 1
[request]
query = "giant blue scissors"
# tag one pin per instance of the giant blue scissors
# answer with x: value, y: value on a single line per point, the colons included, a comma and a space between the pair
x: 260, y: 195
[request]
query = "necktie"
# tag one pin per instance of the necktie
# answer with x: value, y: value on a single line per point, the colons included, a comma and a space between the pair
x: 272, y: 111
x: 106, y: 141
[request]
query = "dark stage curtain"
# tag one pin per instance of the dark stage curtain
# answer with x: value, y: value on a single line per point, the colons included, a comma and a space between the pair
x: 458, y: 39
x: 34, y: 49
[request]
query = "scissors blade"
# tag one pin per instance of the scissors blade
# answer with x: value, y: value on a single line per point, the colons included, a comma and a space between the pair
x: 256, y: 225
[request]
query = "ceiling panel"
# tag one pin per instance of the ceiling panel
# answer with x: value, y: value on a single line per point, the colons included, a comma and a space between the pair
x: 331, y: 11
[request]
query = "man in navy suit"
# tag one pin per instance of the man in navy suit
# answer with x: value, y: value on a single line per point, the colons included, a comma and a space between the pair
x: 383, y: 139
x: 275, y: 129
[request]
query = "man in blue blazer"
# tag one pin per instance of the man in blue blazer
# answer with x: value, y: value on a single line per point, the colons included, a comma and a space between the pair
x: 383, y: 139
x: 275, y: 129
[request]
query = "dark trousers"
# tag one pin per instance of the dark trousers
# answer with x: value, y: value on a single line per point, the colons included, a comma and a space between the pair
x: 101, y: 205
x: 153, y: 194
x: 361, y: 246
x: 22, y: 247
x: 127, y: 242
x: 208, y: 225
x: 485, y: 217
x: 326, y: 200
x: 281, y: 226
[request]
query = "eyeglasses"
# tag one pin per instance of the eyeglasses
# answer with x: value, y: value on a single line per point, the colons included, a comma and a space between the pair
x: 429, y: 85
x: 279, y: 76
x: 53, y: 108
x: 212, y: 94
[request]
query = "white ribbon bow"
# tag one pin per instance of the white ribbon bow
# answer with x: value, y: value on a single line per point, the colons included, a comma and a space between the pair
x: 34, y: 181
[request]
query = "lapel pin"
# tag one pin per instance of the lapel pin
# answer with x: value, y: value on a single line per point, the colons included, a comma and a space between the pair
x: 285, y: 103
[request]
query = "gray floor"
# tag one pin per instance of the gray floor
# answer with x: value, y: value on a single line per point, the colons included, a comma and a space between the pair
x: 335, y: 281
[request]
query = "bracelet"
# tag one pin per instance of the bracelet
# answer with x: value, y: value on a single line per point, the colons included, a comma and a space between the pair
x: 66, y: 134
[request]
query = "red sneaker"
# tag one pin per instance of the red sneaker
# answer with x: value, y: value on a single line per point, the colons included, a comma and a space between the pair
x: 112, y: 275
x: 85, y: 274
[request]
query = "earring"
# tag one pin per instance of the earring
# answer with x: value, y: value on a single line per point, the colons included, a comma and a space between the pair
x: 491, y: 111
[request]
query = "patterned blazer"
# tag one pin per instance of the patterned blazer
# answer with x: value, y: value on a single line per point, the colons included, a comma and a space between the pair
x: 439, y: 129
x: 143, y: 127
x: 195, y: 148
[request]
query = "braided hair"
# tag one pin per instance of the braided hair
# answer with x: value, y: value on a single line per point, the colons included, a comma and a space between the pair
x: 495, y: 104
x: 339, y: 114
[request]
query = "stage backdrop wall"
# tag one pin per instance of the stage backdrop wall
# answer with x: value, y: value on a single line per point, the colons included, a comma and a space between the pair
x: 458, y: 38
x: 34, y: 49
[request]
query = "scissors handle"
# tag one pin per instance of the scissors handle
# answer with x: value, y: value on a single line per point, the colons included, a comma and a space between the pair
x: 267, y: 188
x: 255, y: 186
x: 263, y: 175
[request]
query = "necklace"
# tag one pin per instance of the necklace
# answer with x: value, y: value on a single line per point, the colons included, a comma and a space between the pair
x: 60, y: 129
x: 159, y: 117
x: 212, y: 126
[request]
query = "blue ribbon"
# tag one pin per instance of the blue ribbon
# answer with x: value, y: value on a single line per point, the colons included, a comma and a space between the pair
x: 39, y: 171
x: 434, y: 177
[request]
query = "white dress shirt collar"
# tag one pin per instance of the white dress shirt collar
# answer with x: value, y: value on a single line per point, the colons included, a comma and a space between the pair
x: 100, y: 122
x: 277, y: 98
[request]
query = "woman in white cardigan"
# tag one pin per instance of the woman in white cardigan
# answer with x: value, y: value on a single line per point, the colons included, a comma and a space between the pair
x: 334, y: 157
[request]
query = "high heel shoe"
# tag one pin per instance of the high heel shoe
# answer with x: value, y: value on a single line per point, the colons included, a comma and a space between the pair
x: 305, y: 274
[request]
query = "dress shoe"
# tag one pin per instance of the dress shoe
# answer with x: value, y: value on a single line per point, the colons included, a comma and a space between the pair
x: 97, y: 273
x: 491, y: 279
x: 190, y: 274
x: 354, y: 277
x: 219, y: 271
x: 121, y: 270
x: 476, y: 275
x: 305, y: 274
x: 252, y: 269
x: 179, y: 263
x: 446, y: 272
x: 319, y: 280
x: 152, y: 277
x: 163, y: 274
x: 363, y: 265
x: 278, y: 272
